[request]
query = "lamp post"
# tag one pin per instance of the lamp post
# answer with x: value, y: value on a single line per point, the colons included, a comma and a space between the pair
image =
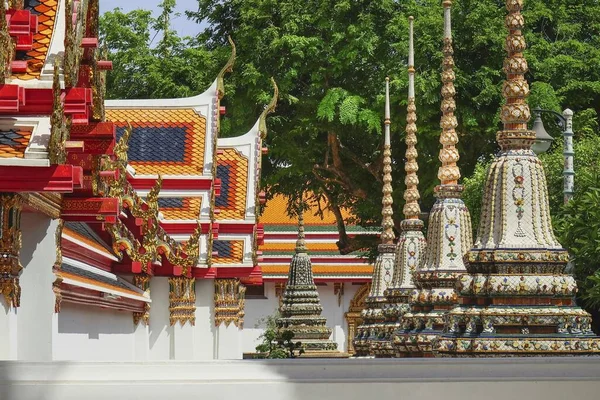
x: 543, y: 141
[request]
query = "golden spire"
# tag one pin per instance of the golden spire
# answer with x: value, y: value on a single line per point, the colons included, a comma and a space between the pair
x: 387, y: 236
x: 301, y: 242
x: 411, y: 194
x: 515, y: 112
x: 448, y: 173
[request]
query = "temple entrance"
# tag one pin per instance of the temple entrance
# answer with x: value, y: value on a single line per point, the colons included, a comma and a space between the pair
x: 357, y: 304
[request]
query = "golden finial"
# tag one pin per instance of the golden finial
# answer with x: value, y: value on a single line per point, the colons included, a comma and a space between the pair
x: 58, y: 128
x: 152, y: 197
x: 387, y: 236
x: 449, y: 172
x: 122, y: 145
x: 301, y: 242
x: 192, y: 246
x: 411, y: 194
x: 6, y: 46
x: 515, y: 112
x: 270, y: 108
x: 228, y: 67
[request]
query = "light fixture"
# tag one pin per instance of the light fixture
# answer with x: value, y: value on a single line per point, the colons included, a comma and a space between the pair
x: 542, y: 139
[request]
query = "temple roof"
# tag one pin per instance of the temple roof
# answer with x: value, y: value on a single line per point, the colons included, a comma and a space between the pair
x: 46, y: 11
x: 13, y: 142
x: 321, y: 238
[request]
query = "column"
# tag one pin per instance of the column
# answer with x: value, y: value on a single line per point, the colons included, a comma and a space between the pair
x: 229, y: 318
x: 37, y: 322
x: 182, y: 316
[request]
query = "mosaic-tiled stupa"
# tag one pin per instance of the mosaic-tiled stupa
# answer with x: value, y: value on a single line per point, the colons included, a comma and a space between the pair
x: 449, y: 230
x: 517, y: 299
x: 301, y: 307
x: 411, y: 243
x: 373, y: 327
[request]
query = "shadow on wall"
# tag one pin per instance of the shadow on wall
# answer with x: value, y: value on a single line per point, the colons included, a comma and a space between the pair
x: 34, y: 236
x: 93, y: 321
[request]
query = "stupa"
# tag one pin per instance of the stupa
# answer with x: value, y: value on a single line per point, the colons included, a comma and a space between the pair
x: 516, y: 299
x: 411, y: 244
x: 448, y: 234
x: 301, y: 307
x: 373, y: 317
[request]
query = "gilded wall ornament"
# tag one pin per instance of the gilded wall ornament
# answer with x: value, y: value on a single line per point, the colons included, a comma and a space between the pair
x: 182, y: 300
x: 10, y: 247
x: 230, y: 295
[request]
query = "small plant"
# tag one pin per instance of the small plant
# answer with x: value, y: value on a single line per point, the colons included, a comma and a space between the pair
x: 274, y: 346
x: 285, y: 341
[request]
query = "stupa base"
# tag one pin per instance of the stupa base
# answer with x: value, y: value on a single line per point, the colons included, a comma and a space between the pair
x: 518, y: 346
x: 325, y: 354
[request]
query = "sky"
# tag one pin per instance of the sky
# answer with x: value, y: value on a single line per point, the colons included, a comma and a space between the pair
x: 181, y: 24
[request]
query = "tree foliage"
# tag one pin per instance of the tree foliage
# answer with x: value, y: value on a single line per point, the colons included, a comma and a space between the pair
x: 330, y: 58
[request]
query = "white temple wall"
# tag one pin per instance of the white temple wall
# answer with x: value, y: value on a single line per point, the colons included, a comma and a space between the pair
x: 87, y: 333
x: 36, y: 320
x: 160, y: 330
x: 204, y: 330
x: 255, y: 310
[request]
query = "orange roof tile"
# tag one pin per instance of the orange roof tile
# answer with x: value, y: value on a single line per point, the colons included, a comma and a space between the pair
x: 13, y: 142
x: 342, y: 269
x: 230, y: 251
x: 190, y: 209
x: 36, y: 57
x: 86, y: 240
x: 232, y: 169
x: 183, y: 132
x: 95, y: 282
x: 275, y: 213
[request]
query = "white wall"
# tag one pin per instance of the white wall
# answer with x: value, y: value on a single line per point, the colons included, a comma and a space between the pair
x: 88, y: 333
x: 36, y: 321
x: 204, y: 330
x: 415, y: 379
x: 255, y: 310
x: 160, y: 329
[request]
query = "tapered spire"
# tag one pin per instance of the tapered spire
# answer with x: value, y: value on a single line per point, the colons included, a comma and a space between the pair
x: 301, y: 242
x: 383, y: 270
x: 515, y: 112
x: 411, y: 194
x: 449, y: 172
x: 387, y: 236
x: 411, y: 243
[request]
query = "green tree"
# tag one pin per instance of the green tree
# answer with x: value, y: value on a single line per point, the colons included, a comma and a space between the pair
x: 330, y: 58
x: 142, y: 68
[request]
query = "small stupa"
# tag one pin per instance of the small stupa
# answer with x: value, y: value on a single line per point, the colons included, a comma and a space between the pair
x: 373, y: 327
x: 449, y: 235
x: 517, y: 299
x: 411, y: 245
x: 301, y: 307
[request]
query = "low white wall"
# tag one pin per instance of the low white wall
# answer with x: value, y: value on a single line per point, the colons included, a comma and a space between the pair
x: 93, y: 333
x: 415, y: 379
